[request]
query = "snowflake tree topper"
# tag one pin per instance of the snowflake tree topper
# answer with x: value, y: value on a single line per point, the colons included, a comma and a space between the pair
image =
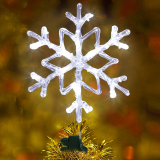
x: 78, y: 61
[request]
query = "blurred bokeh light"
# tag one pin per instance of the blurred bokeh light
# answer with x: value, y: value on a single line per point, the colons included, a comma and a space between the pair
x: 26, y: 119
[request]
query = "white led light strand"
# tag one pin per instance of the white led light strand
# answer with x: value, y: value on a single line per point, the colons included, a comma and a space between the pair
x: 79, y: 62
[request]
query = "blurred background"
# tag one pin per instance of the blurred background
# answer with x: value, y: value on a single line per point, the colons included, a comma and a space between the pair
x: 26, y: 119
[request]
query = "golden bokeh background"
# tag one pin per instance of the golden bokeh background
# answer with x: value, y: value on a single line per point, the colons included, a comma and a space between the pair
x: 26, y: 119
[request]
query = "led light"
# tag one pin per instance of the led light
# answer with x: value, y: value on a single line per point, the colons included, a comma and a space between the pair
x: 79, y: 61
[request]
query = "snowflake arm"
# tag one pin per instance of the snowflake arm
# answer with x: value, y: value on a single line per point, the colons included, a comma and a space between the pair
x: 42, y: 40
x: 78, y: 20
x: 113, y: 83
x: 115, y: 37
x: 45, y: 81
x: 41, y: 82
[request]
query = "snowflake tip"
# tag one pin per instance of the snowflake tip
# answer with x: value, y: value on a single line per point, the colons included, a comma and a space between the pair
x: 29, y: 89
x: 34, y: 87
x: 68, y: 14
x: 124, y: 78
x: 86, y: 107
x: 116, y: 60
x: 72, y: 107
x: 43, y: 93
x: 44, y: 30
x: 68, y: 110
x: 29, y: 33
x: 114, y: 28
x: 35, y: 45
x: 128, y: 31
x: 79, y: 6
x: 33, y: 75
x: 128, y: 93
x: 124, y: 46
x: 113, y: 95
x: 88, y: 16
x: 125, y: 91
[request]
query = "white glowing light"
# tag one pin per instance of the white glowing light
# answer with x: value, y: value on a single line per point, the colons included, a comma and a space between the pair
x: 79, y: 62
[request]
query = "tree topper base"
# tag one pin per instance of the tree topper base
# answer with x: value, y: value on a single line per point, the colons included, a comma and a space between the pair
x: 73, y: 142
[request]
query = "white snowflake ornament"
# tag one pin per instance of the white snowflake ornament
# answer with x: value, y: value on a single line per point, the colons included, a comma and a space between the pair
x: 78, y: 61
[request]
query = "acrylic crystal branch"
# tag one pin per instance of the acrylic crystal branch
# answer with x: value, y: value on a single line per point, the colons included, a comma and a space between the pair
x: 79, y: 62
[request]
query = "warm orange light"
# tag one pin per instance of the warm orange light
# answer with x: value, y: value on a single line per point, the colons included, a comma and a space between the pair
x: 128, y: 152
